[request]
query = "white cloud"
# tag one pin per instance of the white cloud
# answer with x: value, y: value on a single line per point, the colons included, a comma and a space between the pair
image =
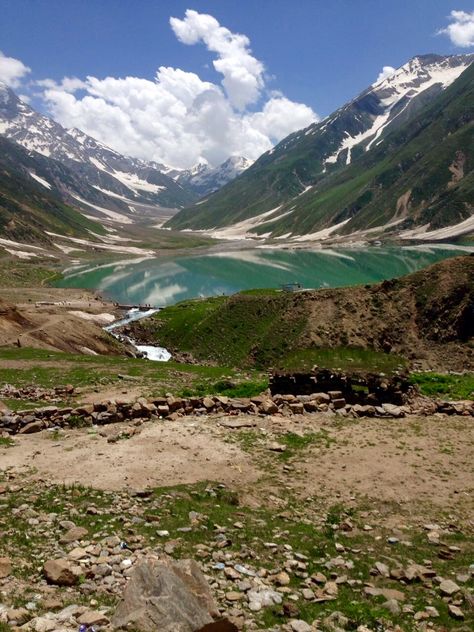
x: 386, y: 71
x: 178, y: 118
x: 12, y: 70
x: 280, y: 116
x: 461, y: 31
x: 243, y: 73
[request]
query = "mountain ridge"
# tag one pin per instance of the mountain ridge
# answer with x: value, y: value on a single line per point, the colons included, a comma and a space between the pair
x: 114, y: 181
x: 281, y: 177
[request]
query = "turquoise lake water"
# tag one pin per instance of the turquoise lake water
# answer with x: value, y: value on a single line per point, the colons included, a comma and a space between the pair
x: 165, y: 281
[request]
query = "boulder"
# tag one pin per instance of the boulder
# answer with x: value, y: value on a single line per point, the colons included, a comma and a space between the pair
x: 93, y: 618
x: 32, y: 427
x: 268, y: 407
x: 60, y: 572
x: 165, y: 595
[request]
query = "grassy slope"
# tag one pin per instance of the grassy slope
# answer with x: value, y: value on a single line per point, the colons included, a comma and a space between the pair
x: 27, y: 208
x: 296, y: 330
x: 417, y: 156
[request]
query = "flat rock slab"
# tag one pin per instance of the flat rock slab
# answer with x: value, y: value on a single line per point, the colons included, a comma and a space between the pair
x: 165, y: 595
x: 237, y: 422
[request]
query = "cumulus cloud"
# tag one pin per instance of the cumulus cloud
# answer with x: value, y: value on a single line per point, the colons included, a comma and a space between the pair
x: 461, y: 29
x: 243, y: 73
x: 178, y: 118
x: 12, y: 70
x: 386, y: 71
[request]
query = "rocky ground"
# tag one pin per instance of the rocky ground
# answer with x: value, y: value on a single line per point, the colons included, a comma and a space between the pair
x: 298, y: 521
x: 56, y: 319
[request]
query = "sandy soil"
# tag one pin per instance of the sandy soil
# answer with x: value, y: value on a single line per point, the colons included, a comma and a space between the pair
x: 163, y: 453
x: 407, y: 461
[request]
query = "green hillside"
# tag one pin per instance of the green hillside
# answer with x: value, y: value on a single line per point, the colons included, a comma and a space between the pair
x: 27, y: 208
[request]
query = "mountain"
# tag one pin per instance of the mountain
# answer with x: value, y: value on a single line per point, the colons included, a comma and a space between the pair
x: 29, y: 205
x: 203, y: 179
x: 393, y: 152
x: 106, y: 180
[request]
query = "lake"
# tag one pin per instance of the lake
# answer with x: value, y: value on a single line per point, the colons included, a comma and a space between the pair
x: 167, y: 280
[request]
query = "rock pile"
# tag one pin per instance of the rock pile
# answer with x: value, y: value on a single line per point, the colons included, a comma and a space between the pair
x: 172, y: 408
x: 36, y: 393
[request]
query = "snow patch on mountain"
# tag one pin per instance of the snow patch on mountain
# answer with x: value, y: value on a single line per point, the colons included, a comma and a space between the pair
x: 394, y: 93
x: 42, y: 181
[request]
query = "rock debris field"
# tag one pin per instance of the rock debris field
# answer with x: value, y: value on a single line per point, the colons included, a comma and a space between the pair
x: 310, y: 520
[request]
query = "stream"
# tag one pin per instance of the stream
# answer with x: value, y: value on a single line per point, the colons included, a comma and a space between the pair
x: 156, y: 354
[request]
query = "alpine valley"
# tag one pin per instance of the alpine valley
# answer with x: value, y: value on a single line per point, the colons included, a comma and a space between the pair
x: 78, y: 171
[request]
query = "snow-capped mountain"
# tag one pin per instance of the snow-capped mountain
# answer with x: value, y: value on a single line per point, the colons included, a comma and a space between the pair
x: 287, y: 174
x: 204, y: 179
x: 108, y: 180
x: 391, y: 102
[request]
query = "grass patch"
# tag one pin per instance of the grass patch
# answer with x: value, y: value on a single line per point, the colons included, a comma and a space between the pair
x: 6, y: 442
x: 249, y: 388
x: 48, y: 369
x: 15, y: 273
x: 344, y: 359
x: 295, y: 443
x: 447, y: 386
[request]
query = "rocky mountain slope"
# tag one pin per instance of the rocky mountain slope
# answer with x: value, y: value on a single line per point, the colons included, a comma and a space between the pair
x: 108, y: 180
x: 320, y: 177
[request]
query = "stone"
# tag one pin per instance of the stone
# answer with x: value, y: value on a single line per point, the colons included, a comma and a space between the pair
x: 208, y: 403
x: 172, y: 596
x: 388, y: 593
x: 277, y: 447
x: 237, y: 422
x: 392, y: 606
x: 319, y: 578
x: 268, y: 407
x: 262, y: 598
x: 19, y: 615
x: 93, y: 618
x: 60, y: 572
x: 448, y: 587
x: 5, y: 567
x: 393, y: 411
x: 76, y: 533
x: 282, y: 579
x: 30, y: 428
x: 223, y: 625
x: 455, y: 612
x: 233, y: 595
x: 382, y: 569
x: 298, y: 625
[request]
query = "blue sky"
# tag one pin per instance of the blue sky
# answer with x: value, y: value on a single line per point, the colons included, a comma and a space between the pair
x: 315, y: 52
